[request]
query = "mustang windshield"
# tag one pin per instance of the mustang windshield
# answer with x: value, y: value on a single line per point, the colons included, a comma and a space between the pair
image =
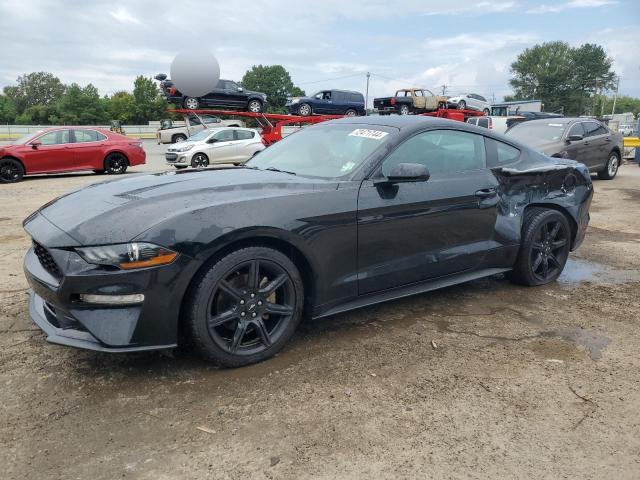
x: 327, y: 151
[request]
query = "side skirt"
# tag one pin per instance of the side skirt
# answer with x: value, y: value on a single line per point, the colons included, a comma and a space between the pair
x: 408, y: 290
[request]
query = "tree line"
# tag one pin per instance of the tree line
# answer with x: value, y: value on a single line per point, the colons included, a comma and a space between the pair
x: 571, y: 80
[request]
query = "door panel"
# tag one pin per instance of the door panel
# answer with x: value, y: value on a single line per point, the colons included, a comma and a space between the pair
x: 596, y: 135
x: 410, y: 232
x: 53, y: 155
x: 578, y: 150
x: 87, y: 149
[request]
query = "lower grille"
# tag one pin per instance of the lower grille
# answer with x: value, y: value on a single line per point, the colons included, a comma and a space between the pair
x: 46, y: 260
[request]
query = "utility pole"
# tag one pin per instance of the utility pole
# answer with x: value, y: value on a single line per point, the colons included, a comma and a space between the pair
x: 444, y: 89
x: 366, y: 98
x: 615, y: 97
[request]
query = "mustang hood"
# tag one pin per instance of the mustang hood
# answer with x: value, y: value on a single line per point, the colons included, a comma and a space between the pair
x: 118, y: 211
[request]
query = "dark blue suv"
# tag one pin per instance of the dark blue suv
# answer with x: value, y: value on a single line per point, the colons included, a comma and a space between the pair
x: 329, y: 102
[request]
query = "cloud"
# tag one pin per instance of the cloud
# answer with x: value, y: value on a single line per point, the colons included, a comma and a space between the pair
x: 545, y: 8
x: 123, y: 16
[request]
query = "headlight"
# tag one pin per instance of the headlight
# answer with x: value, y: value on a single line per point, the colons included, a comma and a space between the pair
x: 128, y: 256
x: 295, y: 100
x: 183, y: 149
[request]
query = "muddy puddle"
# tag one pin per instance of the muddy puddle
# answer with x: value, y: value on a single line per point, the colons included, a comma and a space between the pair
x: 581, y: 271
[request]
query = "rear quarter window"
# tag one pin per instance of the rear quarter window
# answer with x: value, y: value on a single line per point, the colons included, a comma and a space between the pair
x: 500, y: 154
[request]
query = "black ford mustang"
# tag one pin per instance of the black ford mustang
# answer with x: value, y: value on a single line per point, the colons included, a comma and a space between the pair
x: 336, y: 216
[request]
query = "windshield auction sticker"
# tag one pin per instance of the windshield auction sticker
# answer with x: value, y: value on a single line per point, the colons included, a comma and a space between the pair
x: 366, y: 133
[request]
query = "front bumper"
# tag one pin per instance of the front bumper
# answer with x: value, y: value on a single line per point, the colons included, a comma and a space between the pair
x: 55, y: 306
x: 178, y: 158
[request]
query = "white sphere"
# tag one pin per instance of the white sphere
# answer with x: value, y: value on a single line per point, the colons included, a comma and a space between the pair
x: 195, y: 72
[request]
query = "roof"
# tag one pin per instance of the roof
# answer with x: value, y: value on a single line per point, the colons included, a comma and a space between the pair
x: 397, y: 121
x: 515, y: 102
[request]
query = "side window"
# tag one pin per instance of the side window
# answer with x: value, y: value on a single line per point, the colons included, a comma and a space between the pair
x: 441, y: 151
x: 224, y: 135
x: 483, y: 122
x: 479, y: 97
x: 593, y: 128
x: 500, y: 154
x: 83, y: 136
x: 194, y: 121
x: 338, y: 97
x: 208, y: 120
x: 244, y: 134
x: 326, y: 95
x: 231, y: 85
x: 576, y: 129
x: 417, y: 93
x: 357, y: 97
x: 58, y: 137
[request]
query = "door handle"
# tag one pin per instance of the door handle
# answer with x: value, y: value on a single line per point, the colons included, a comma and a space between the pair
x: 486, y: 193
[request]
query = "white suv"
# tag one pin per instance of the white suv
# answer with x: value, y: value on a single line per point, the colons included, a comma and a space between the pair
x: 471, y: 101
x: 215, y: 145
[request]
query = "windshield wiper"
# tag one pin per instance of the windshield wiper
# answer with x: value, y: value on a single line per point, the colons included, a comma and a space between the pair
x: 274, y: 169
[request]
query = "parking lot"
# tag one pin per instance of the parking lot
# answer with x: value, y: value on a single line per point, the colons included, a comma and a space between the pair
x: 481, y: 380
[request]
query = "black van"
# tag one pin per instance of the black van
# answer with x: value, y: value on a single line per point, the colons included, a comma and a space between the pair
x: 328, y: 102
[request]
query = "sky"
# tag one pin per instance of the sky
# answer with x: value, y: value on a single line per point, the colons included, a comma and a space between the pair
x: 466, y: 45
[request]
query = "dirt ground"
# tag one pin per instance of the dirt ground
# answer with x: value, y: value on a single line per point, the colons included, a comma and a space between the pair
x: 482, y: 380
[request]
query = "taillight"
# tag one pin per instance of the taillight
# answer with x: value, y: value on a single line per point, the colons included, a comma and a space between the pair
x: 393, y: 101
x: 172, y: 90
x: 490, y: 122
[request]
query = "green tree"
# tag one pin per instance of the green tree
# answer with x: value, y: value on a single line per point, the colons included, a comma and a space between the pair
x: 8, y: 111
x: 81, y: 106
x: 121, y: 106
x: 148, y: 104
x: 624, y: 104
x: 565, y: 79
x: 273, y: 80
x: 37, y: 88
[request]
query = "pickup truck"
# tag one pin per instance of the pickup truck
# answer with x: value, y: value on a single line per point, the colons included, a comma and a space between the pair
x: 167, y: 133
x: 410, y: 100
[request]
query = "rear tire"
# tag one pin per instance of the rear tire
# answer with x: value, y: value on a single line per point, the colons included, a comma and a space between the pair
x: 351, y: 113
x: 611, y: 168
x: 462, y: 105
x: 191, y: 103
x: 245, y: 307
x: 544, y: 247
x: 11, y: 170
x: 179, y: 137
x: 486, y: 111
x: 404, y: 110
x: 115, y: 164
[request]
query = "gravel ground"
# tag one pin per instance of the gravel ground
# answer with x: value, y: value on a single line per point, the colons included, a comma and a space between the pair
x: 482, y: 380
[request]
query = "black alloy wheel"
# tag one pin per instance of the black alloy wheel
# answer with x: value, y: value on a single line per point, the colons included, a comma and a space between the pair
x: 11, y: 170
x: 546, y: 241
x: 200, y: 160
x: 115, y: 164
x: 246, y: 307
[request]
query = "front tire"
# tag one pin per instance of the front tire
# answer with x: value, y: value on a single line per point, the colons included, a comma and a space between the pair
x: 245, y: 307
x: 254, y: 106
x: 115, y: 164
x: 611, y: 168
x: 11, y: 171
x: 544, y: 247
x: 200, y: 160
x: 304, y: 110
x: 462, y: 105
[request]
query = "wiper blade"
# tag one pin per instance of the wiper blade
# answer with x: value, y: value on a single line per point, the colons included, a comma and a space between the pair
x: 274, y: 169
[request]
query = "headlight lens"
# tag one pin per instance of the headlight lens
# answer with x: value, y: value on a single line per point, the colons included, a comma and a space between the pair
x: 128, y: 256
x: 295, y: 100
x: 184, y: 149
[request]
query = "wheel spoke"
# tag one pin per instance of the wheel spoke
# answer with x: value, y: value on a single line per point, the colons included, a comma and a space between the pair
x: 254, y: 272
x: 536, y: 246
x: 277, y: 309
x: 537, y: 262
x: 230, y: 290
x: 262, y: 332
x: 554, y: 260
x: 238, y: 335
x: 545, y: 267
x: 554, y: 231
x: 558, y: 244
x: 221, y: 318
x: 274, y: 284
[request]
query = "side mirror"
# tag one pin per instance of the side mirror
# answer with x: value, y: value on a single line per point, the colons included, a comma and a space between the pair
x: 407, y: 172
x: 35, y: 145
x: 574, y: 138
x: 212, y: 140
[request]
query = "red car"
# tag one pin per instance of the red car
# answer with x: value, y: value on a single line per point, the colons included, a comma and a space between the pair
x: 66, y: 149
